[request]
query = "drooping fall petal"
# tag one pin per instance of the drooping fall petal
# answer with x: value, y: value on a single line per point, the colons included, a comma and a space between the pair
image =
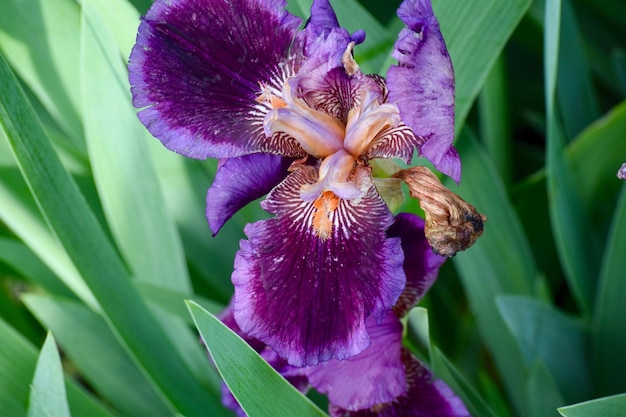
x: 426, y: 396
x: 374, y: 376
x: 306, y: 280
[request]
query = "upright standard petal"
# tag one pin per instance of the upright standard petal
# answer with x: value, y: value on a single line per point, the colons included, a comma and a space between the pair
x: 374, y: 376
x: 308, y: 295
x: 421, y: 264
x: 239, y: 181
x: 422, y: 86
x: 425, y: 397
x: 200, y: 69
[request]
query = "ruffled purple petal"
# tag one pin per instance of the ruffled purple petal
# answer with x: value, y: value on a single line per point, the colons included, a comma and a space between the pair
x: 422, y: 85
x: 323, y: 18
x: 425, y: 397
x: 307, y: 296
x: 239, y: 181
x: 198, y: 67
x: 421, y: 264
x: 374, y: 376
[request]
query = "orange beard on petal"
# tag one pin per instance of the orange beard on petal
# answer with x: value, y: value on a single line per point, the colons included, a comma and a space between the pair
x: 324, y: 205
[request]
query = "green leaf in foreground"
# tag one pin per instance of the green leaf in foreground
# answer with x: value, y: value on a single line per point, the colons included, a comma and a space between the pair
x: 614, y: 406
x: 47, y: 393
x: 258, y: 388
x: 82, y: 237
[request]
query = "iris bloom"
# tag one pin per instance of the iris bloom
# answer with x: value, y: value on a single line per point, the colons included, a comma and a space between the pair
x: 288, y: 111
x: 385, y: 379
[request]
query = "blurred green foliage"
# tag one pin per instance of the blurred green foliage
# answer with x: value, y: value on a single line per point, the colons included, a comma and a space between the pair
x: 103, y: 235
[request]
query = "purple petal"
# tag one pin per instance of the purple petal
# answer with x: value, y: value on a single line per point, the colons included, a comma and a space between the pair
x: 374, y: 376
x: 421, y: 264
x: 323, y: 18
x: 239, y: 181
x: 308, y: 296
x: 422, y: 85
x: 197, y: 68
x: 425, y: 397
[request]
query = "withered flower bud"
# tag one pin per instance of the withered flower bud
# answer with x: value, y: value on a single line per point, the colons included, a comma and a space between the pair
x: 452, y: 225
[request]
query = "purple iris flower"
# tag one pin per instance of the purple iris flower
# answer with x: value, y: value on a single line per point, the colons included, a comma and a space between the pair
x: 385, y: 379
x: 289, y: 113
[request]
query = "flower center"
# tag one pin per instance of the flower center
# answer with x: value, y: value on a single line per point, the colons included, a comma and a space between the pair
x: 325, y: 137
x: 340, y: 146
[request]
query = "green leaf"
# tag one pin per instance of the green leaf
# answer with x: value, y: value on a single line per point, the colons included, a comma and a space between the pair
x: 577, y: 100
x: 122, y: 18
x: 22, y: 259
x: 185, y: 182
x: 571, y: 230
x: 445, y: 370
x: 77, y: 229
x: 596, y: 155
x: 47, y: 392
x: 40, y: 38
x: 475, y: 32
x: 20, y: 213
x: 609, y: 326
x: 499, y: 263
x: 543, y: 395
x: 84, y: 336
x: 258, y: 388
x: 17, y: 366
x: 494, y: 120
x: 418, y: 328
x: 121, y: 164
x: 557, y: 341
x: 173, y: 302
x: 603, y: 407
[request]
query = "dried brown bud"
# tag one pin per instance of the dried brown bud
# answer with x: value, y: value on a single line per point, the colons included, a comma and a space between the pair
x: 452, y: 225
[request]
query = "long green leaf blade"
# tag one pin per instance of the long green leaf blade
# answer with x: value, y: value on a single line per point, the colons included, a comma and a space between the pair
x: 499, y: 263
x: 47, y: 392
x: 121, y: 164
x: 258, y: 388
x: 476, y: 32
x: 544, y: 334
x: 86, y: 244
x: 609, y: 330
x: 604, y: 407
x: 84, y: 335
x: 569, y: 221
x: 40, y: 39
